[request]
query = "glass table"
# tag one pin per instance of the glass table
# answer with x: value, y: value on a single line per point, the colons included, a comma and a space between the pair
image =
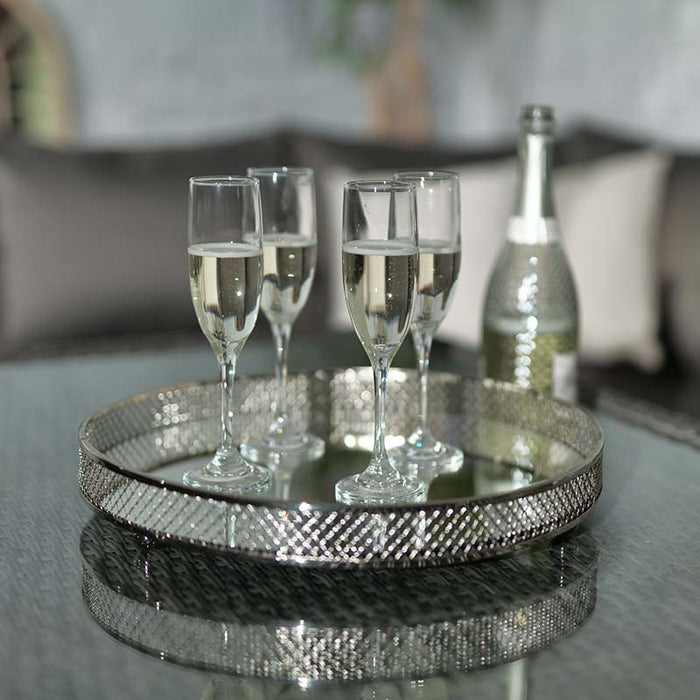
x: 609, y: 610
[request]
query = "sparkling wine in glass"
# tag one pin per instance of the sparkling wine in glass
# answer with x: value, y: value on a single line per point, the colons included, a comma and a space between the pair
x: 225, y: 266
x: 289, y: 264
x: 380, y: 273
x: 437, y: 206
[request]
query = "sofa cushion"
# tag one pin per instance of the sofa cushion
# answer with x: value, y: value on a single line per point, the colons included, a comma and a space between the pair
x: 678, y: 243
x: 94, y: 242
x: 680, y: 259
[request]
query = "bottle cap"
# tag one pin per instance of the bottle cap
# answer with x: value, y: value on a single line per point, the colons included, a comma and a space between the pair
x: 537, y: 119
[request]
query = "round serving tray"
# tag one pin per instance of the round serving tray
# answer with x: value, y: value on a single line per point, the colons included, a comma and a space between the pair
x: 212, y: 611
x: 532, y: 469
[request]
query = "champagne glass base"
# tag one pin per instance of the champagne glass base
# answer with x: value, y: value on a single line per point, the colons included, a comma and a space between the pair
x: 435, y: 458
x: 279, y: 452
x: 360, y: 490
x: 251, y: 479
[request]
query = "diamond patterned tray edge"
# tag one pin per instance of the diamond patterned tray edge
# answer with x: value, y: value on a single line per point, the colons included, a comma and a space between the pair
x: 336, y: 535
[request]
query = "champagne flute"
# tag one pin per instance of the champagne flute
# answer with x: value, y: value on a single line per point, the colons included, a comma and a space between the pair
x: 380, y: 268
x: 225, y: 265
x: 437, y: 206
x: 289, y: 264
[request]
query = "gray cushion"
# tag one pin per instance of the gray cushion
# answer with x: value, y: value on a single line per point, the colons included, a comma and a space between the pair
x: 680, y: 259
x: 94, y: 242
x: 678, y: 246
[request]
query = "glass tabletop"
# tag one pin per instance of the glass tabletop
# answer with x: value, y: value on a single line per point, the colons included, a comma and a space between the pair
x: 626, y: 581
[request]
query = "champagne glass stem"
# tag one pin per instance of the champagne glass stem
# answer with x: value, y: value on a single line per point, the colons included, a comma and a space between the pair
x: 380, y: 466
x: 283, y: 486
x: 227, y: 446
x: 422, y: 343
x: 281, y: 333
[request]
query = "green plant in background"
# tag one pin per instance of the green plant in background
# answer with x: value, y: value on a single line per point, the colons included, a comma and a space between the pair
x: 357, y: 32
x: 382, y: 41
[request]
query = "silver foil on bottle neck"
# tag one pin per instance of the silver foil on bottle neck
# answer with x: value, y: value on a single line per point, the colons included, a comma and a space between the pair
x: 535, y: 149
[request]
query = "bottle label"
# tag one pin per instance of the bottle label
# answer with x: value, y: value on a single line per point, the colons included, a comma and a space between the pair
x: 564, y: 376
x: 531, y: 231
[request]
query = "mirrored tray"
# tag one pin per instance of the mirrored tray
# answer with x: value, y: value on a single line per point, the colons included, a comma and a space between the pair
x: 532, y: 469
x: 257, y: 621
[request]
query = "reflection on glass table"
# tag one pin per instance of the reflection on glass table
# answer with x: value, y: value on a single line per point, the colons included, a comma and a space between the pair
x: 320, y: 630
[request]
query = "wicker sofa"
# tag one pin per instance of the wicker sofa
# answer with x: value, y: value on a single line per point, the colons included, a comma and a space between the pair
x: 92, y: 244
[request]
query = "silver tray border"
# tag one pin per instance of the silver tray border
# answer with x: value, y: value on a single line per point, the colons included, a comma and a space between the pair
x: 481, y: 527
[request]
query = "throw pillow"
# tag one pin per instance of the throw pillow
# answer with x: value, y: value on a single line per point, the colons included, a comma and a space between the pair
x: 94, y: 243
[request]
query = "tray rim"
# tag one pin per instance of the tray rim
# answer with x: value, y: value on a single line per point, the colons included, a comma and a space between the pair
x: 544, y: 484
x: 270, y: 557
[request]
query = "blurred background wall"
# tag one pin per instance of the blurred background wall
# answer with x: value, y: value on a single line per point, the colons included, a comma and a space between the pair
x: 165, y: 71
x: 125, y: 87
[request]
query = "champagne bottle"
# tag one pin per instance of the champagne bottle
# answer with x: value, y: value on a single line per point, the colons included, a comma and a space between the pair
x: 530, y: 319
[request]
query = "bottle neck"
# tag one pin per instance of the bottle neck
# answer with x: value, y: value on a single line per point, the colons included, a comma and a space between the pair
x: 534, y: 219
x: 534, y: 195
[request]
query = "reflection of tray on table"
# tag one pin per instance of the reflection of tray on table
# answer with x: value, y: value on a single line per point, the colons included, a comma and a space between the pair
x: 533, y: 468
x: 212, y: 611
